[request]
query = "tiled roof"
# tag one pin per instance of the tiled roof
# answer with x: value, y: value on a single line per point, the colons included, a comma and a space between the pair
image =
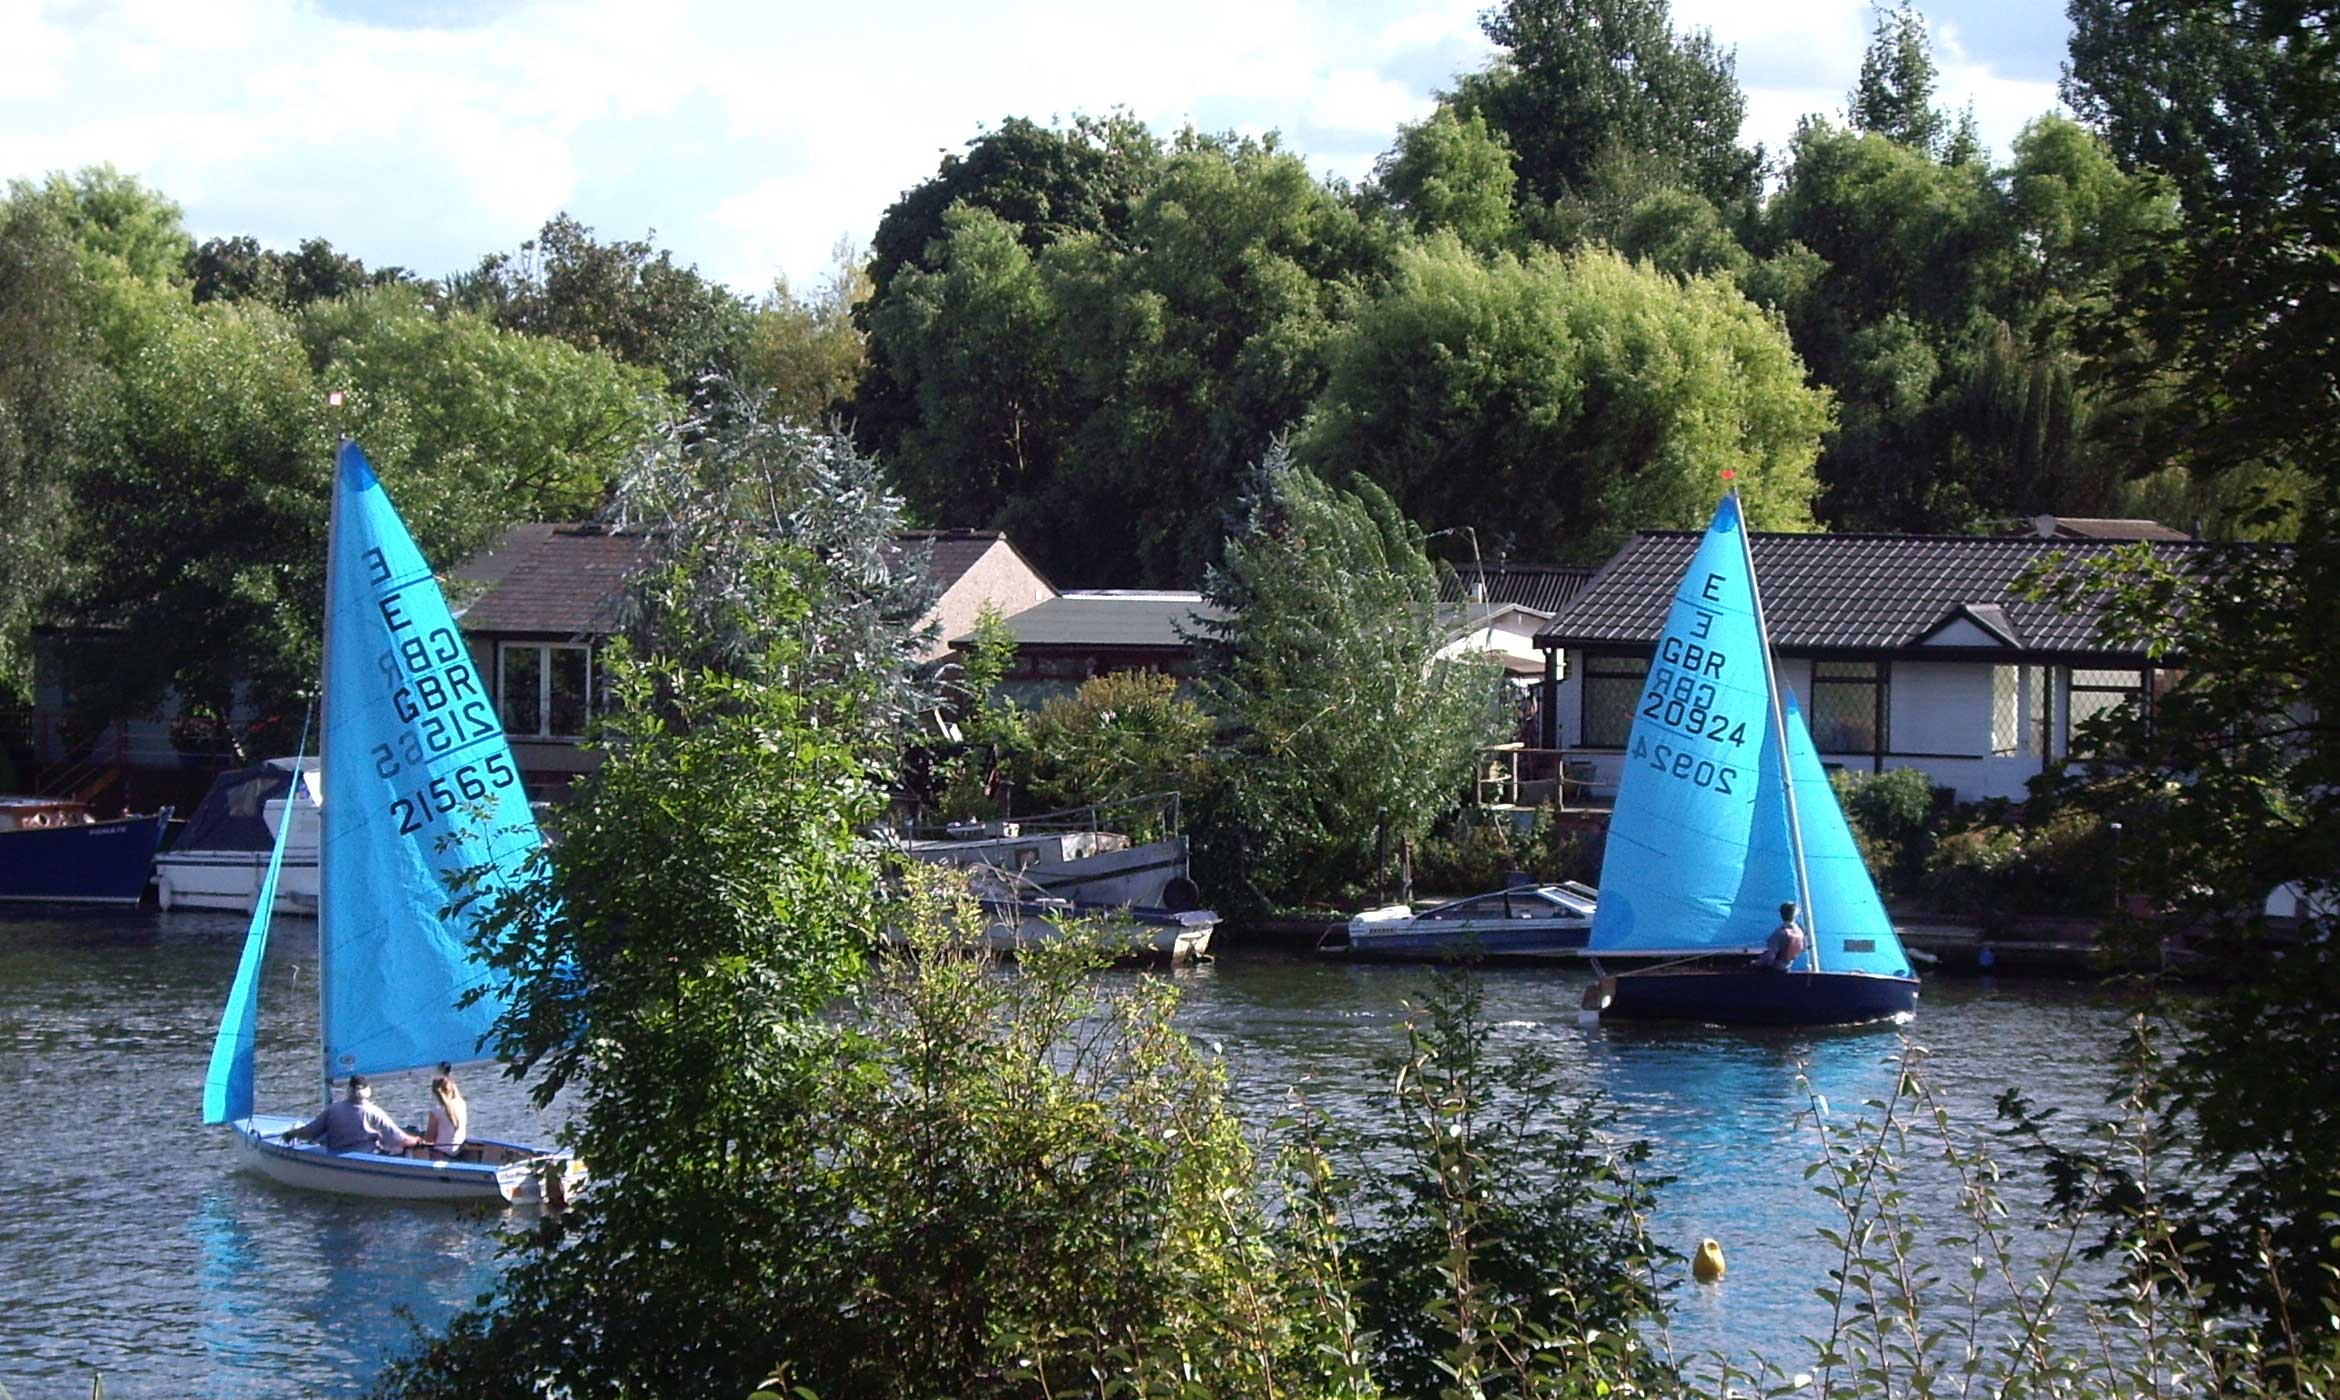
x: 561, y: 580
x: 951, y: 553
x: 1544, y: 587
x: 1109, y: 618
x: 564, y: 580
x: 2092, y: 528
x: 1848, y: 592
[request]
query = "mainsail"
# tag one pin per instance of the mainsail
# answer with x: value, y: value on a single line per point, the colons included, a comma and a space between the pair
x: 420, y: 787
x: 1698, y: 857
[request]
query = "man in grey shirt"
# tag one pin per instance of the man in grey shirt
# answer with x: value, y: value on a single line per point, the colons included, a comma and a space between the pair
x: 354, y: 1124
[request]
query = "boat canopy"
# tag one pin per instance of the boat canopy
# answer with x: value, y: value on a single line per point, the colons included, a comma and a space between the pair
x: 230, y: 817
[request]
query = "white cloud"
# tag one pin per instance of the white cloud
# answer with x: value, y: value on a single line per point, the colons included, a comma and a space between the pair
x: 751, y: 135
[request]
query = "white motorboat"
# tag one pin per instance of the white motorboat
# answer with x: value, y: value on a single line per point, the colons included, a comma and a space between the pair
x: 1522, y: 923
x: 222, y: 852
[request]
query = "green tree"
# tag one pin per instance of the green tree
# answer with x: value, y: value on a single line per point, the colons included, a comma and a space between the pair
x: 972, y: 346
x: 120, y: 225
x: 203, y: 536
x: 1572, y: 398
x: 1895, y: 95
x: 1581, y: 81
x: 1119, y: 737
x: 57, y: 414
x: 1195, y: 349
x: 624, y: 298
x: 2236, y: 106
x: 1452, y: 173
x: 484, y: 425
x: 1341, y: 725
x: 808, y: 351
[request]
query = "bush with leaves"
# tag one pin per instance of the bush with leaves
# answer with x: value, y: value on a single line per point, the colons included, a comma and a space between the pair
x: 1479, y: 854
x: 1119, y: 737
x: 1888, y: 813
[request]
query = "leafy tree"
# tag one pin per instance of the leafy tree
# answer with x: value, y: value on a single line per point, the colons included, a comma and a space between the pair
x: 1118, y: 737
x: 57, y: 414
x: 728, y: 491
x: 1340, y: 723
x: 808, y: 352
x: 2237, y: 106
x: 626, y: 298
x: 203, y: 536
x: 120, y: 225
x: 1895, y: 95
x: 972, y: 346
x: 2230, y: 791
x: 483, y: 425
x: 1086, y: 398
x: 1195, y: 349
x: 1574, y: 398
x: 1455, y: 174
x: 1581, y: 81
x: 240, y: 269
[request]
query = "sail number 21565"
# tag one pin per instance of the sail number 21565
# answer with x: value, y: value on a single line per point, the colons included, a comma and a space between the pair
x: 470, y: 782
x: 1705, y: 772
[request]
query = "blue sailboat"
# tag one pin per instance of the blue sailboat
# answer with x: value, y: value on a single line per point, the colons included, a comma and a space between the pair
x: 419, y: 788
x: 1723, y: 814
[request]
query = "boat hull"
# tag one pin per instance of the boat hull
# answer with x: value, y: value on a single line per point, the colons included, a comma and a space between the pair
x: 88, y: 863
x: 1744, y: 996
x: 1519, y: 940
x: 502, y: 1174
x: 1142, y: 935
x: 230, y: 880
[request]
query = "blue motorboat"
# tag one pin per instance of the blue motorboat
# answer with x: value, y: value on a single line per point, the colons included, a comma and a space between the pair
x: 53, y: 852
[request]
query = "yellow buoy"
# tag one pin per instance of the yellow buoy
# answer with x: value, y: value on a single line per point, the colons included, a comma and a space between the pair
x: 1707, y: 1264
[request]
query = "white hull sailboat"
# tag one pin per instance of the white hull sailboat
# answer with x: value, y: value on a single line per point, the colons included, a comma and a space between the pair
x: 421, y: 794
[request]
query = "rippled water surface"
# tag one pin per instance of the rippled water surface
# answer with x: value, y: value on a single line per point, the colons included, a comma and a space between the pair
x: 130, y: 1245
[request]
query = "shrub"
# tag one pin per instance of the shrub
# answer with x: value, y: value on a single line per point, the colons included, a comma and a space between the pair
x: 1889, y: 813
x: 1117, y: 737
x: 1478, y: 854
x: 2060, y: 866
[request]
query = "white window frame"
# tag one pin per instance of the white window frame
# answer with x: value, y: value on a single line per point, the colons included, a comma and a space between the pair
x: 544, y: 674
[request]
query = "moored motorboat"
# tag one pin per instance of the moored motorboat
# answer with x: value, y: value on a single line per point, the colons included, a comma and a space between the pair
x: 53, y: 852
x: 218, y: 858
x: 1521, y: 923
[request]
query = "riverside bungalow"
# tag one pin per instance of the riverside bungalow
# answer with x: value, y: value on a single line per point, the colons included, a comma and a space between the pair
x: 1064, y: 640
x: 1905, y: 651
x: 547, y: 598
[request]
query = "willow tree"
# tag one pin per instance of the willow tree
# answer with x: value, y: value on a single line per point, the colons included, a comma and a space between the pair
x: 1340, y: 722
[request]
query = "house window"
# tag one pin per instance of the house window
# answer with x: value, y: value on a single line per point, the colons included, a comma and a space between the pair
x: 2097, y: 693
x: 2018, y: 703
x: 541, y: 689
x: 1612, y: 692
x: 1848, y: 707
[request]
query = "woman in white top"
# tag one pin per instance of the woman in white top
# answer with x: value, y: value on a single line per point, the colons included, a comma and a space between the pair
x: 450, y: 1116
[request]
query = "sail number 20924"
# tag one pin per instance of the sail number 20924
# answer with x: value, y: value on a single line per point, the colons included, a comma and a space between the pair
x: 469, y: 782
x: 1672, y: 762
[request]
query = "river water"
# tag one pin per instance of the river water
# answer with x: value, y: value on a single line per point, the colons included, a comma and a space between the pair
x: 131, y: 1247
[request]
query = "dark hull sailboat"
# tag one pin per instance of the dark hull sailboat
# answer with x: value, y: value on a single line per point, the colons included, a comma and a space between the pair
x: 1724, y: 815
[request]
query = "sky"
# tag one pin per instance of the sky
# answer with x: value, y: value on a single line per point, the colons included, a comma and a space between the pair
x: 754, y: 135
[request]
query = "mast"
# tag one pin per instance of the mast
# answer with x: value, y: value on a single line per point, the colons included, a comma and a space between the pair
x: 1787, y: 771
x: 325, y: 738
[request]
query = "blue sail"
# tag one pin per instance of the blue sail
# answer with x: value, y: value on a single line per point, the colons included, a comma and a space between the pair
x: 419, y: 787
x: 1850, y: 929
x: 227, y: 1085
x: 1701, y: 779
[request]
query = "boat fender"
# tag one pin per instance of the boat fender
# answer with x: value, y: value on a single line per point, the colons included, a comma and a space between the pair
x: 1707, y: 1265
x: 1596, y: 1000
x: 164, y: 893
x: 1181, y: 895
